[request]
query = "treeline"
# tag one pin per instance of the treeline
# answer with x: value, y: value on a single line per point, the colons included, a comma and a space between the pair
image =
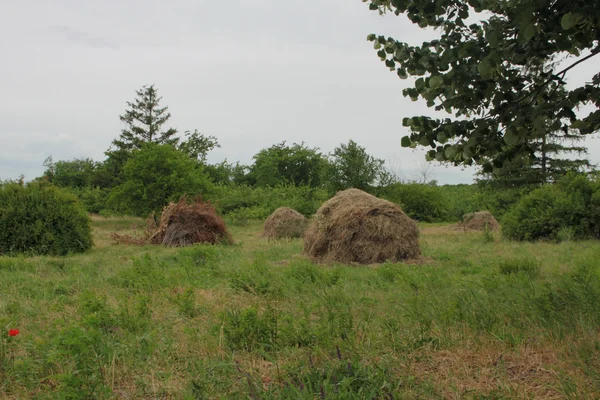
x: 148, y: 166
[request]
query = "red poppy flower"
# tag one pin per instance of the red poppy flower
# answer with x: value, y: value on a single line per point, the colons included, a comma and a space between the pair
x: 13, y: 332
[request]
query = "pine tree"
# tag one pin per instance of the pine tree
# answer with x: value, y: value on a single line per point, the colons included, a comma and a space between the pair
x: 144, y: 120
x: 549, y: 158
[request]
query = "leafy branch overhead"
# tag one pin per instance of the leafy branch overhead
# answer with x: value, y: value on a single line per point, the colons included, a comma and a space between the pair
x: 495, y: 69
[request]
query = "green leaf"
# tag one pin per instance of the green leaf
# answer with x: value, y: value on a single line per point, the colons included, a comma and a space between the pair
x: 530, y: 32
x: 511, y: 137
x: 485, y: 69
x: 405, y: 141
x: 407, y: 122
x: 569, y: 20
x: 424, y: 141
x: 436, y: 81
x: 442, y: 137
x: 467, y: 153
x: 450, y: 152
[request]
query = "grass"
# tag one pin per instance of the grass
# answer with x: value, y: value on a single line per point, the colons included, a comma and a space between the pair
x: 481, y: 318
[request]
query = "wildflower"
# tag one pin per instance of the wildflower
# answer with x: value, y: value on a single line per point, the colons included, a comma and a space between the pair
x: 13, y: 332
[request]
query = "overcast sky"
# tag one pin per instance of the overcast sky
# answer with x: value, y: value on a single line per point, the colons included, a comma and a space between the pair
x: 251, y: 73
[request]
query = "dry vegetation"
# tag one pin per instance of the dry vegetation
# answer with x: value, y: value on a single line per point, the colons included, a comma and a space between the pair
x: 285, y: 223
x: 356, y: 227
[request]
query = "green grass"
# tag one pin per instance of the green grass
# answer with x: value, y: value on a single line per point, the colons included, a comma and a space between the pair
x: 479, y: 318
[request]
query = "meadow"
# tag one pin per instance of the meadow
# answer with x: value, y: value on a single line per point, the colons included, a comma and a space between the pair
x: 478, y: 317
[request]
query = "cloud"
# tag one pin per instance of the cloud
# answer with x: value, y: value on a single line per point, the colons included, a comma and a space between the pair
x: 76, y: 35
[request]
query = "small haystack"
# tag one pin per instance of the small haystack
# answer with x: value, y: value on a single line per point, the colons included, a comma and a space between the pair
x: 355, y: 226
x: 479, y: 221
x: 182, y: 224
x: 285, y: 223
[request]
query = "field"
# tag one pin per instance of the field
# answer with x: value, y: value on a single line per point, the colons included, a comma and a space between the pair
x: 479, y: 317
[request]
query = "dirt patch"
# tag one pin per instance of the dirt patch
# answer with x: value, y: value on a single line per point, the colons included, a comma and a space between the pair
x: 181, y: 224
x: 356, y: 227
x: 284, y: 223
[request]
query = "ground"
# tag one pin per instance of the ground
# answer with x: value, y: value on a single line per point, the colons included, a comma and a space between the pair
x: 478, y: 317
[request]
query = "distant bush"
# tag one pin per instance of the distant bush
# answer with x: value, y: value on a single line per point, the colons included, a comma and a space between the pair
x: 42, y: 219
x: 419, y: 201
x: 154, y: 176
x: 464, y: 199
x: 93, y: 199
x: 573, y: 205
x: 241, y: 203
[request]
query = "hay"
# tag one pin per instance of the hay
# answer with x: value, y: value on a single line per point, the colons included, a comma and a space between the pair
x: 182, y: 224
x: 284, y: 223
x: 356, y: 227
x: 479, y: 221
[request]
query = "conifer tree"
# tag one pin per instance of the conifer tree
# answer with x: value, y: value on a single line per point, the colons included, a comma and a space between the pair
x: 144, y: 121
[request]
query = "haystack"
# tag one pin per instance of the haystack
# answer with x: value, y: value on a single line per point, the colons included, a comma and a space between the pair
x: 356, y: 227
x: 182, y: 224
x: 479, y: 221
x: 284, y: 223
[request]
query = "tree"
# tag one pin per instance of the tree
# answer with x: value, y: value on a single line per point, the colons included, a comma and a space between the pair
x: 296, y: 165
x: 197, y: 146
x: 499, y: 76
x: 155, y: 175
x: 547, y: 162
x: 77, y: 173
x: 144, y: 120
x: 350, y: 166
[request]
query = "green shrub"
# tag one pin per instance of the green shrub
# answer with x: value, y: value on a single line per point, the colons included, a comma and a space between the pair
x: 421, y: 202
x: 154, y: 176
x: 569, y: 208
x: 241, y: 203
x: 93, y: 199
x: 42, y: 219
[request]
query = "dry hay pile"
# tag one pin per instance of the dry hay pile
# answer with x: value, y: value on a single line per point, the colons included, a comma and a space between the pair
x: 356, y: 227
x: 479, y: 221
x: 284, y: 223
x: 182, y: 224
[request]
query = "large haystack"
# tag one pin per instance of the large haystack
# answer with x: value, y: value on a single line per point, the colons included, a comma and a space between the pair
x: 355, y: 226
x: 285, y: 223
x: 183, y: 224
x: 479, y: 221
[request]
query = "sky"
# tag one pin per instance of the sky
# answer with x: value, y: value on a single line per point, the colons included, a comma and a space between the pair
x: 252, y: 73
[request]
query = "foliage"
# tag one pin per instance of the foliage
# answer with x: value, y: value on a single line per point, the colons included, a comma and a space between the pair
x: 144, y: 120
x: 573, y: 203
x: 197, y: 146
x: 227, y: 173
x: 350, y: 166
x: 41, y: 219
x: 545, y: 162
x: 154, y: 176
x: 498, y: 76
x: 77, y: 173
x: 246, y: 202
x: 92, y: 199
x: 420, y: 202
x: 281, y: 164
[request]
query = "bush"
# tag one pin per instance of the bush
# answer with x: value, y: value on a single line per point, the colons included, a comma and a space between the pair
x: 421, y: 202
x: 93, y: 199
x: 548, y: 212
x: 155, y: 176
x: 240, y: 203
x: 42, y: 219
